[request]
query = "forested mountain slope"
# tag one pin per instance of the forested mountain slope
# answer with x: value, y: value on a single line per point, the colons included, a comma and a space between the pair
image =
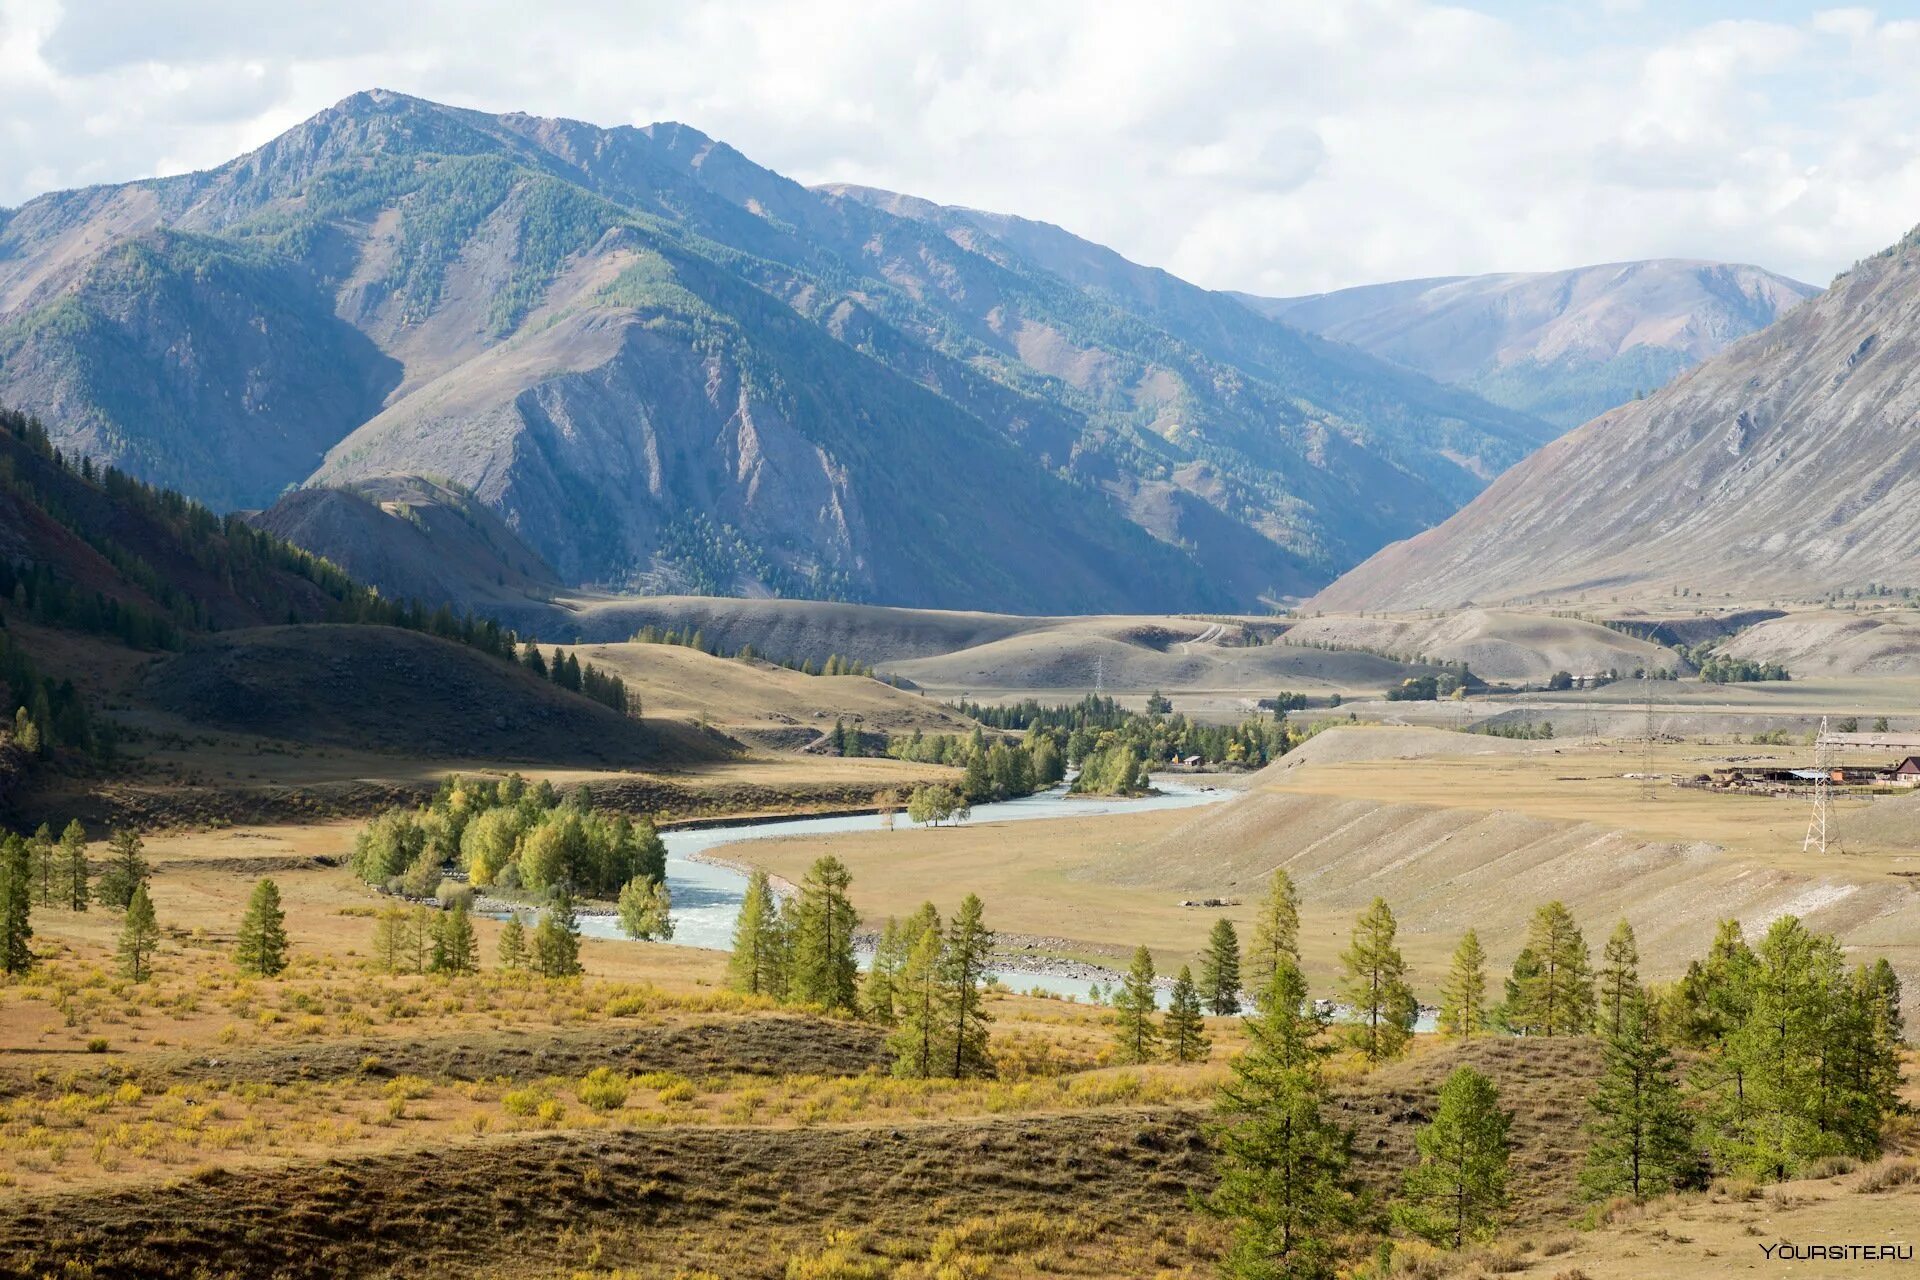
x: 666, y: 367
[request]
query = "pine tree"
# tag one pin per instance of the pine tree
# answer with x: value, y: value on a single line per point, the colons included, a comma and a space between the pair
x: 1458, y: 1190
x: 1619, y: 977
x: 919, y: 1034
x: 963, y: 965
x: 16, y: 906
x: 1557, y: 999
x: 1639, y: 1131
x: 139, y: 937
x: 824, y: 970
x: 646, y: 909
x: 752, y: 968
x: 1283, y: 1167
x: 1134, y: 1030
x: 556, y: 939
x: 260, y: 947
x: 837, y: 739
x: 1379, y: 1001
x: 455, y: 949
x: 1220, y: 969
x: 1276, y: 933
x: 1185, y: 1025
x: 1463, y: 1001
x: 126, y: 869
x: 73, y: 852
x: 513, y: 943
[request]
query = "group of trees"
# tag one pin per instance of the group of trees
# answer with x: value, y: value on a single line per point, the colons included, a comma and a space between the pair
x: 1452, y: 682
x: 993, y: 770
x: 1098, y: 724
x: 514, y: 835
x: 694, y: 638
x: 567, y: 671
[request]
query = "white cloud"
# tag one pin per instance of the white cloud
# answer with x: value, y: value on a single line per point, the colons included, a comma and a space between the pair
x: 1275, y: 147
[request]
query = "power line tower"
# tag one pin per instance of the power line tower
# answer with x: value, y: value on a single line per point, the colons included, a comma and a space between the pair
x: 1820, y: 828
x: 1647, y: 791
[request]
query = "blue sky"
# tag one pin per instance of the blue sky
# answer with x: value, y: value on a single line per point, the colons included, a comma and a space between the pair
x: 1279, y: 146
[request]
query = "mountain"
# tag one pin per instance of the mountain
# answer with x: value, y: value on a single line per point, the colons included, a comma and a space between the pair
x: 1564, y: 346
x: 664, y: 367
x: 1789, y: 464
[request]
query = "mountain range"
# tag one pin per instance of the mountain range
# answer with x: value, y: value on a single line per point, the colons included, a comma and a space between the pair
x: 1787, y: 465
x: 1564, y: 346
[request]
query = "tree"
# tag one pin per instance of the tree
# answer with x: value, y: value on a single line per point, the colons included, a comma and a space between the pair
x: 260, y: 949
x: 1557, y: 998
x: 73, y: 852
x: 393, y: 939
x: 1639, y: 1132
x: 1513, y: 1009
x: 513, y: 943
x: 556, y: 939
x: 455, y: 949
x: 753, y: 966
x: 1220, y: 969
x: 918, y: 1036
x: 41, y: 856
x: 646, y: 909
x: 1134, y: 1030
x: 1283, y: 1167
x: 824, y: 971
x: 1458, y: 1189
x: 139, y: 937
x: 1185, y: 1026
x: 126, y: 869
x: 1463, y: 1001
x: 879, y: 992
x: 1619, y: 977
x: 16, y: 906
x: 963, y: 965
x: 1276, y: 933
x: 1380, y: 1002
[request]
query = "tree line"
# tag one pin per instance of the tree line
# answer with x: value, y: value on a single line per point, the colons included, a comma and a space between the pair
x: 695, y: 638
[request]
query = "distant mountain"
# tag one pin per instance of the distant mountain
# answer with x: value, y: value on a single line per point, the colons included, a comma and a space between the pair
x: 1788, y: 465
x: 663, y: 367
x: 1564, y: 346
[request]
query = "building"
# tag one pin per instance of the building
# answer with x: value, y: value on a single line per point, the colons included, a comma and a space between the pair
x: 1907, y: 772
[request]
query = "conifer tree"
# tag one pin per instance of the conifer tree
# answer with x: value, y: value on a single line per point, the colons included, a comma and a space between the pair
x: 1276, y: 933
x: 126, y: 869
x: 756, y: 957
x: 889, y: 955
x: 1639, y: 1131
x: 1619, y: 977
x: 1463, y: 1001
x: 1380, y: 1003
x: 139, y: 937
x: 1185, y: 1025
x: 646, y: 909
x: 1283, y: 1167
x: 556, y: 939
x: 260, y: 948
x: 16, y: 906
x: 1557, y: 999
x: 513, y: 943
x: 1458, y: 1189
x: 824, y: 970
x: 837, y: 740
x: 922, y: 1018
x: 455, y: 949
x: 1513, y: 1012
x: 421, y: 924
x: 1779, y: 1052
x: 1134, y: 1029
x: 963, y: 965
x: 73, y: 852
x: 40, y: 851
x: 1220, y: 969
x: 391, y: 941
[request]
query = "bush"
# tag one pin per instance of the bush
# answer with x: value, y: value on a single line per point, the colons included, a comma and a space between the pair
x: 603, y: 1089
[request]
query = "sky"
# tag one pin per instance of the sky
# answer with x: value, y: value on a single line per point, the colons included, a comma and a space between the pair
x: 1275, y: 146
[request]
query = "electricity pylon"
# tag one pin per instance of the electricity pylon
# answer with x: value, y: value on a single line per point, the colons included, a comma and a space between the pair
x: 1820, y: 832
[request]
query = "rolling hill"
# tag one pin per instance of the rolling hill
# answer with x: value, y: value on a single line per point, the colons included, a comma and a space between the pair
x: 1564, y: 346
x: 665, y: 367
x: 1786, y: 466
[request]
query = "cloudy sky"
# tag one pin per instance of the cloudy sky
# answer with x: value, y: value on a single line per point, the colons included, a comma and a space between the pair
x: 1280, y: 146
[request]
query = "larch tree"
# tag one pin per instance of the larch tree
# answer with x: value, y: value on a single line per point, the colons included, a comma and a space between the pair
x: 1134, y: 1031
x: 1220, y: 969
x: 16, y: 906
x: 455, y: 949
x: 260, y: 948
x: 1380, y: 1004
x: 824, y: 970
x: 1276, y: 933
x: 126, y: 869
x: 1779, y: 1050
x: 963, y: 967
x: 1619, y: 977
x: 78, y: 878
x: 1557, y: 999
x: 921, y: 1015
x: 513, y: 942
x: 1639, y: 1133
x: 752, y: 968
x: 1185, y: 1026
x: 556, y: 939
x: 45, y: 866
x: 877, y: 994
x: 139, y: 937
x: 1458, y: 1190
x: 1285, y: 1186
x: 1463, y: 1000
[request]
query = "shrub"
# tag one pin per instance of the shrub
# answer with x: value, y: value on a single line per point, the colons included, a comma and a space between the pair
x: 603, y: 1089
x: 1887, y: 1175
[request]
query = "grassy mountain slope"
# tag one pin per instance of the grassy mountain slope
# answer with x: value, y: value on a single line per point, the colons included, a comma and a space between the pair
x: 664, y: 366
